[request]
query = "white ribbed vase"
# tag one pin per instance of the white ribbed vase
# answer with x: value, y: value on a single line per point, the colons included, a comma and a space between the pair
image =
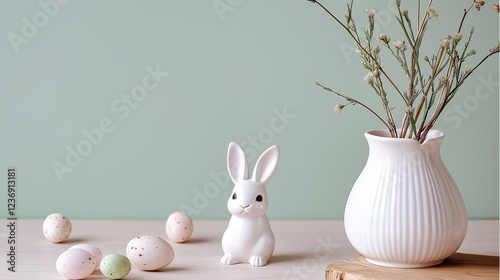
x: 405, y: 210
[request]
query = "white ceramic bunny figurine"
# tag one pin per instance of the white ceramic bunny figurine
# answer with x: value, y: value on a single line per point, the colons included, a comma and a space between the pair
x: 248, y: 237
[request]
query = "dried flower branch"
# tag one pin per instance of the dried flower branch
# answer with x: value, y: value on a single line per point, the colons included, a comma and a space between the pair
x: 435, y: 90
x: 353, y: 102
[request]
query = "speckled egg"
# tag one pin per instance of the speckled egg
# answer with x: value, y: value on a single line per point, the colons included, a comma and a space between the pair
x: 149, y: 252
x: 179, y: 227
x: 93, y: 250
x: 75, y: 264
x: 115, y: 266
x: 56, y: 227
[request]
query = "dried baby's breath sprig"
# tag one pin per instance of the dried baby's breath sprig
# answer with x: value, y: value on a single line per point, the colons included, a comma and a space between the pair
x: 496, y: 7
x: 371, y: 13
x: 478, y: 4
x: 384, y: 38
x: 400, y: 45
x: 446, y: 42
x: 495, y: 48
x: 338, y: 108
x: 369, y: 78
x: 431, y: 13
x: 471, y: 53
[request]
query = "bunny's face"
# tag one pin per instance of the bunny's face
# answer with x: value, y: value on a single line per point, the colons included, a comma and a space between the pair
x: 249, y: 198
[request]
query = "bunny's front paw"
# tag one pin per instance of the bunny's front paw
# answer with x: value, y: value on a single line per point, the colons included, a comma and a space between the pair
x: 258, y: 261
x: 227, y: 259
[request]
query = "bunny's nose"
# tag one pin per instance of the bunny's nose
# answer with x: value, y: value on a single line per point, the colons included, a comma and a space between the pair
x: 245, y: 206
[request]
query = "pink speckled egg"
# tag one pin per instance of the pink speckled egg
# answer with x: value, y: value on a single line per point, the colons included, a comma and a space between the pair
x: 179, y: 227
x: 56, y: 227
x: 75, y: 264
x: 149, y: 252
x: 93, y: 250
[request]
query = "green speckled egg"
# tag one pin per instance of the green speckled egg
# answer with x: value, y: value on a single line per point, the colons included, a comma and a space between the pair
x: 115, y: 266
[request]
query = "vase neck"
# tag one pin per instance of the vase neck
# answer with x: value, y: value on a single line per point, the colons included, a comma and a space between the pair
x: 379, y: 141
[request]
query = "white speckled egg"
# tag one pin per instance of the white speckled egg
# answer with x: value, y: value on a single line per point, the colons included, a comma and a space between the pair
x: 179, y: 227
x: 149, y: 252
x: 75, y: 264
x: 93, y: 250
x: 56, y: 227
x: 115, y: 266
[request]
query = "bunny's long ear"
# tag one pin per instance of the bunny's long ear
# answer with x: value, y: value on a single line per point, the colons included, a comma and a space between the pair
x: 237, y: 164
x: 266, y: 165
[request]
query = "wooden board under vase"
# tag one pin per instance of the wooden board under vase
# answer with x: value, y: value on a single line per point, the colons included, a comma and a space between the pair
x: 457, y: 266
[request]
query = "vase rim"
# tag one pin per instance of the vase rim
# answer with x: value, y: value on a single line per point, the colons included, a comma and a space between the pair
x: 385, y: 135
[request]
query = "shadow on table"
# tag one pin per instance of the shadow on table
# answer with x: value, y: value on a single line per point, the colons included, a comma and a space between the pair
x: 197, y: 240
x: 74, y: 241
x: 170, y: 269
x: 285, y: 258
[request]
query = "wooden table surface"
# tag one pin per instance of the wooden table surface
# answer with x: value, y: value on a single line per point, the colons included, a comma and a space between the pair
x: 303, y: 249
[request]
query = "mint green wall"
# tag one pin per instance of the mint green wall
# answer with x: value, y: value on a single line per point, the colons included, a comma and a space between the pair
x: 203, y: 77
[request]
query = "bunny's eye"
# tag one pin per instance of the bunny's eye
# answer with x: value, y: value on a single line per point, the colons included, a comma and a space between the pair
x: 259, y: 198
x: 234, y: 196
